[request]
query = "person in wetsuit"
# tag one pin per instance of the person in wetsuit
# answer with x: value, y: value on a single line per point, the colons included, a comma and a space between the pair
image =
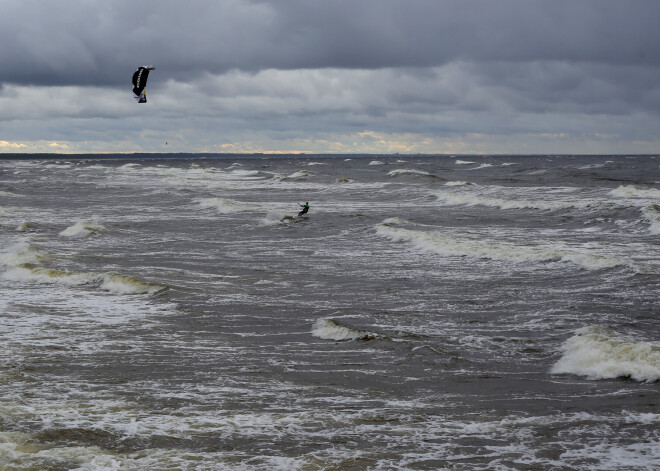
x: 304, y: 207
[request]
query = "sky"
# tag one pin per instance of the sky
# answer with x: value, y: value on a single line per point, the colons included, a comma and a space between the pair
x: 331, y: 76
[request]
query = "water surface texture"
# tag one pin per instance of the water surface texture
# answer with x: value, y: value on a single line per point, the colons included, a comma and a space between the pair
x: 429, y: 313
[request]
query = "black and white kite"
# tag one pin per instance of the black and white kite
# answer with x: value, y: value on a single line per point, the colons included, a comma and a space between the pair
x: 140, y: 83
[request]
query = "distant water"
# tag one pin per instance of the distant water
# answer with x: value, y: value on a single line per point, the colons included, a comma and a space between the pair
x: 430, y: 313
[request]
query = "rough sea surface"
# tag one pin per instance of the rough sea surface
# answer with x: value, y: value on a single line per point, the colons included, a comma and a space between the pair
x: 429, y: 313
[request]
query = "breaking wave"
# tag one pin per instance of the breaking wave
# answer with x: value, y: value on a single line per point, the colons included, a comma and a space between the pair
x: 631, y: 191
x: 436, y: 242
x: 455, y: 199
x: 296, y: 175
x: 82, y: 229
x: 597, y: 353
x: 111, y: 282
x: 329, y: 329
x: 408, y: 171
x: 652, y: 215
x: 20, y: 253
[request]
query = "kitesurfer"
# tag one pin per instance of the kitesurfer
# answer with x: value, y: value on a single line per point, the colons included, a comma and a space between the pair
x: 305, y: 208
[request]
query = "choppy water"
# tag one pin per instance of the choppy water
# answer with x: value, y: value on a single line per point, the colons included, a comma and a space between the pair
x: 430, y: 313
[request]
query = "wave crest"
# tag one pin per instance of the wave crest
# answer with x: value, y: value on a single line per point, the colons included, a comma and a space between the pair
x: 443, y: 245
x: 329, y: 329
x: 597, y: 353
x: 83, y: 229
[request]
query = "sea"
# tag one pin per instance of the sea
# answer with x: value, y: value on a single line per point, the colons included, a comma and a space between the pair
x: 173, y: 312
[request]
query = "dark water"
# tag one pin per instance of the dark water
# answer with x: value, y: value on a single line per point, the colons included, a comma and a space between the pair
x: 429, y: 313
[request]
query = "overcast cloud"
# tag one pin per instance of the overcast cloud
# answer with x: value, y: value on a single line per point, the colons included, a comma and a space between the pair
x: 431, y: 76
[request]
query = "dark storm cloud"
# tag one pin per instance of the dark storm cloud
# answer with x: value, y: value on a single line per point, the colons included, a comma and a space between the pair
x: 94, y: 42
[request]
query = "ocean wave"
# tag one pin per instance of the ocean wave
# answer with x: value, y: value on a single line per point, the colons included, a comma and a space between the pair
x: 438, y: 243
x: 122, y: 284
x: 329, y: 329
x: 83, y: 229
x: 652, y: 215
x: 597, y: 353
x: 464, y: 162
x: 111, y: 282
x: 408, y: 171
x: 631, y: 191
x: 376, y: 162
x: 295, y: 175
x: 455, y: 199
x: 20, y: 253
x: 245, y: 173
x: 482, y: 166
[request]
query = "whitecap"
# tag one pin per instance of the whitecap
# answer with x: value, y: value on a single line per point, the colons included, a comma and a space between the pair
x: 598, y: 353
x: 631, y: 191
x: 652, y: 215
x: 296, y: 175
x: 329, y: 329
x: 82, y: 229
x: 468, y: 199
x: 121, y: 284
x: 20, y: 253
x: 376, y: 162
x: 407, y: 171
x: 446, y: 246
x: 482, y: 166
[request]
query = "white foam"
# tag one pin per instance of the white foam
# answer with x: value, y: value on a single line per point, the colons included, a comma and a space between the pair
x: 468, y: 199
x: 121, y: 284
x: 597, y: 353
x: 482, y: 166
x: 225, y: 205
x: 407, y: 171
x: 444, y: 245
x: 82, y: 229
x: 457, y: 183
x: 652, y: 215
x: 245, y: 173
x: 296, y: 175
x: 47, y: 275
x: 376, y: 162
x: 329, y: 329
x: 464, y: 162
x: 112, y: 282
x: 20, y: 253
x: 631, y: 191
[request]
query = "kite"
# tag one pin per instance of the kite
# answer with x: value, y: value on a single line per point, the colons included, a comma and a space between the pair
x: 140, y: 83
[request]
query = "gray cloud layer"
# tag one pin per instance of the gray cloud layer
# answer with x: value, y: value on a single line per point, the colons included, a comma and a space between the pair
x: 297, y: 68
x: 94, y: 42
